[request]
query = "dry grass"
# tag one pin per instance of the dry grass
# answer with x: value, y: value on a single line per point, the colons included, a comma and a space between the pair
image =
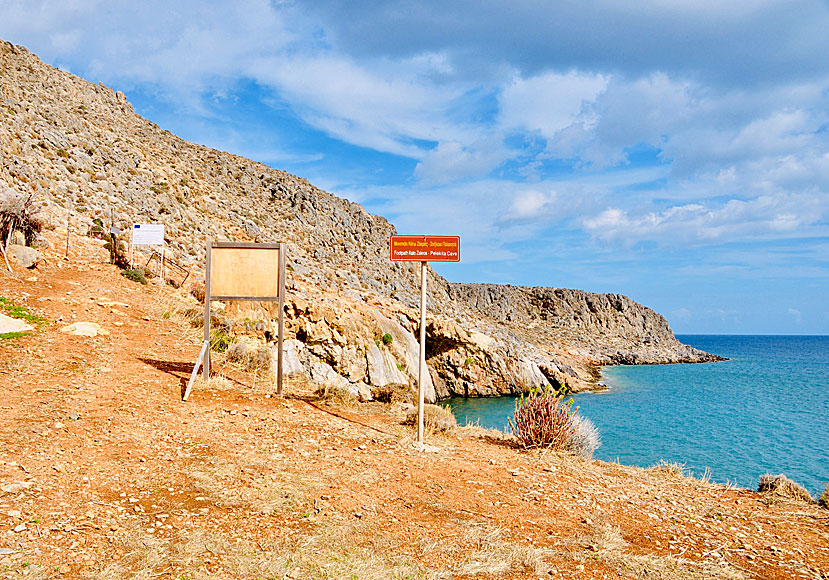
x: 214, y: 383
x: 493, y: 556
x: 670, y: 470
x: 332, y: 552
x: 335, y: 396
x: 436, y: 419
x: 783, y: 487
x: 606, y: 544
x: 273, y: 490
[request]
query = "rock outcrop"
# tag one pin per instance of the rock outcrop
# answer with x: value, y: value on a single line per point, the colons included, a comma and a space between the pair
x: 83, y: 149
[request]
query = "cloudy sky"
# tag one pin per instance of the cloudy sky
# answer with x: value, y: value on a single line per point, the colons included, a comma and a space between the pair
x: 676, y: 151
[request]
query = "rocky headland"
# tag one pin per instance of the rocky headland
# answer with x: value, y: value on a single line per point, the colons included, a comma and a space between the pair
x: 86, y: 155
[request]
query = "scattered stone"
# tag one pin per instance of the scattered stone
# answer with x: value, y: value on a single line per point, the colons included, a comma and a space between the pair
x: 89, y: 329
x: 17, y: 486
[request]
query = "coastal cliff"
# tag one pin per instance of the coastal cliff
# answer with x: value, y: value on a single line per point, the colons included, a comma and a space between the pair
x: 87, y: 155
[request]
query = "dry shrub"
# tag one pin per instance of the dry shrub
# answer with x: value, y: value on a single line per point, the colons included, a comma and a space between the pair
x: 214, y: 383
x: 669, y: 469
x: 19, y: 212
x: 394, y: 393
x: 251, y: 360
x: 782, y: 486
x: 336, y: 396
x: 542, y: 419
x: 585, y: 438
x: 436, y: 419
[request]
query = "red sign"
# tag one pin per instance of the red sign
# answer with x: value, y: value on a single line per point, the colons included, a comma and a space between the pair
x: 426, y: 248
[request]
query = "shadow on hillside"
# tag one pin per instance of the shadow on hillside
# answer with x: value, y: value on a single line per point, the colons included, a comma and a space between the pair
x: 180, y: 370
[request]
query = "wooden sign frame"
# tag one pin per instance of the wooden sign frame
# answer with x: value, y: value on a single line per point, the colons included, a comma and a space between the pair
x: 245, y: 278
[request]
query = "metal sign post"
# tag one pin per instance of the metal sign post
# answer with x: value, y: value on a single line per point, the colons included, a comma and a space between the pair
x: 242, y: 271
x: 423, y: 249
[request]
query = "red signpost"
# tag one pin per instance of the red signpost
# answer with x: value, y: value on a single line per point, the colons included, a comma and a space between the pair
x: 423, y: 249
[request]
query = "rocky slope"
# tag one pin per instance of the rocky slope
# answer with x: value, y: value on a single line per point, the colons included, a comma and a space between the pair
x: 87, y: 155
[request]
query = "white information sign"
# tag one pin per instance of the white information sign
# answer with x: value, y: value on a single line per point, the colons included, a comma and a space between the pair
x: 148, y: 234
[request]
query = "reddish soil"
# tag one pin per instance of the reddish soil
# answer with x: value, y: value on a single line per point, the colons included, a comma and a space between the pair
x: 106, y: 473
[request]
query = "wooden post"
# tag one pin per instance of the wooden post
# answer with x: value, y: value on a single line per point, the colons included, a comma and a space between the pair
x: 112, y: 241
x: 281, y: 330
x: 207, y: 310
x: 421, y: 372
x: 204, y: 348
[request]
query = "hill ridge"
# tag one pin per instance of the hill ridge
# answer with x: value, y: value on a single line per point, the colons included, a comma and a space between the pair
x: 81, y: 146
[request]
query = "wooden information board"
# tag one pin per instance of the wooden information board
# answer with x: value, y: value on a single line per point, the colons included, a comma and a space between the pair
x: 242, y: 271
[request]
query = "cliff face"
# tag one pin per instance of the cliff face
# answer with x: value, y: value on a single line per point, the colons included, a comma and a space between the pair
x: 84, y: 151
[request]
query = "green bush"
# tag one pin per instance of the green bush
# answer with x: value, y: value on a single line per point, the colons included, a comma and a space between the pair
x: 134, y: 274
x: 387, y: 339
x: 542, y: 419
x: 219, y: 340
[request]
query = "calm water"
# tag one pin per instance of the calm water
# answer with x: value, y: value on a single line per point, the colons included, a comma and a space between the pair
x: 764, y: 411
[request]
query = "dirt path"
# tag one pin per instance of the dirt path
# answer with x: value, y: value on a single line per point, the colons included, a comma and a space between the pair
x: 106, y: 473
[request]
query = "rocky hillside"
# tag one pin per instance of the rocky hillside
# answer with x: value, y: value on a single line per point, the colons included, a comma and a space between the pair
x: 81, y: 148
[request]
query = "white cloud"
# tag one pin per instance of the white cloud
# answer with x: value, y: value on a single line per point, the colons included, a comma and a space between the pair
x: 529, y: 205
x: 781, y: 216
x: 549, y: 102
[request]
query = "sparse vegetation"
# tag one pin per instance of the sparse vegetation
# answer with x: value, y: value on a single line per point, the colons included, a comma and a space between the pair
x: 134, y: 274
x: 21, y: 312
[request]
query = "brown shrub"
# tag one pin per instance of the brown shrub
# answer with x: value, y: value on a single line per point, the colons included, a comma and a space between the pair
x: 784, y: 487
x: 435, y: 418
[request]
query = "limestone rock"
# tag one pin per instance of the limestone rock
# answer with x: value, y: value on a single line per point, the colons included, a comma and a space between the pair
x: 382, y: 367
x: 291, y: 365
x: 9, y: 324
x: 89, y: 329
x: 23, y: 255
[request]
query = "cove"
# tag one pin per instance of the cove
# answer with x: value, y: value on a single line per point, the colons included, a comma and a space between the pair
x: 766, y: 410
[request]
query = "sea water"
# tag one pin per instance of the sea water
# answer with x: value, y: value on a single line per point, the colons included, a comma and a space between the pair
x: 766, y: 410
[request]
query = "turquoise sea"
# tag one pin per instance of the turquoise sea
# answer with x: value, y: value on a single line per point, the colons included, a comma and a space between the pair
x: 766, y: 410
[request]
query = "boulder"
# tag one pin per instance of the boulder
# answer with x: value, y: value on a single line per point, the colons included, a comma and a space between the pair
x: 9, y: 324
x: 23, y: 255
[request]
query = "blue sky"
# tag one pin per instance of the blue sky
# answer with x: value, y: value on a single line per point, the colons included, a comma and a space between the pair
x: 676, y: 151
